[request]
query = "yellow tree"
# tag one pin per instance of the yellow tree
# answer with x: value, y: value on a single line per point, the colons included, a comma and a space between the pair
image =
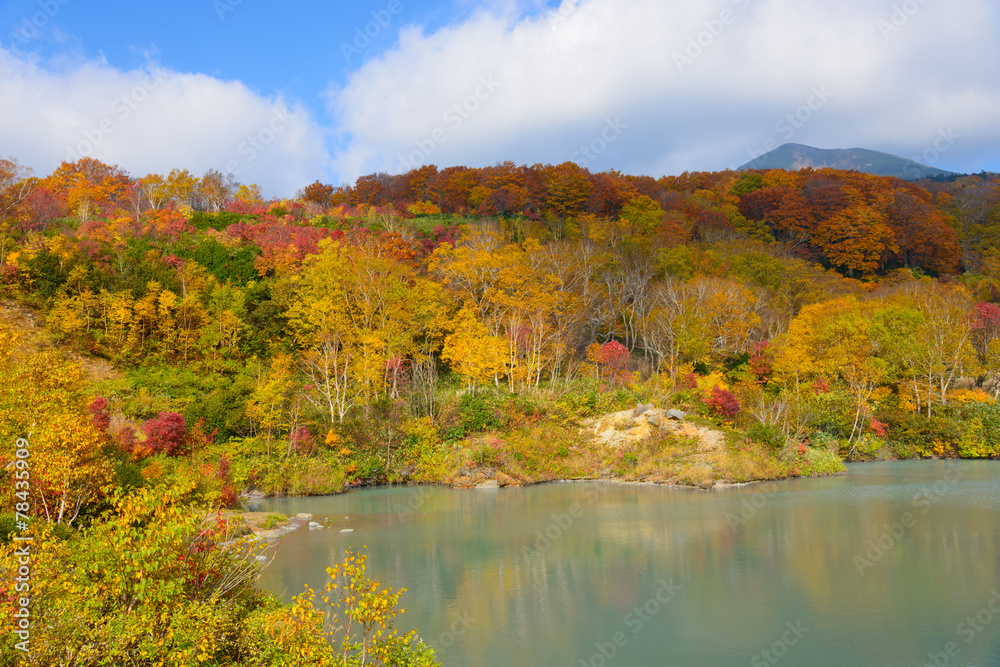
x: 471, y: 271
x: 181, y: 187
x: 515, y: 298
x: 473, y: 352
x: 225, y: 326
x: 154, y: 190
x: 735, y: 313
x: 521, y: 311
x: 838, y: 339
x: 249, y: 194
x: 798, y: 353
x: 42, y: 402
x: 569, y: 265
x: 684, y: 322
x: 358, y: 312
x: 268, y: 405
x: 852, y: 351
x: 945, y: 351
x: 642, y: 215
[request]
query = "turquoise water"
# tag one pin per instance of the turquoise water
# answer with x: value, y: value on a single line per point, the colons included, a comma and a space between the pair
x: 892, y: 564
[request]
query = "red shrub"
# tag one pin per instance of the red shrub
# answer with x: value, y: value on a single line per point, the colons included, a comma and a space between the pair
x: 222, y: 470
x: 760, y: 361
x: 199, y: 438
x: 723, y: 403
x: 229, y: 498
x: 302, y: 441
x: 126, y: 440
x: 99, y: 413
x: 166, y: 434
x: 820, y: 386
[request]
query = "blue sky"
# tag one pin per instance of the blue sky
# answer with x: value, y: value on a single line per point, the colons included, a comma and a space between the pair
x: 283, y: 95
x: 297, y: 49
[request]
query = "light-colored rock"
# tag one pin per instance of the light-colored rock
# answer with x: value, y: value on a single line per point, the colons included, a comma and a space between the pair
x: 272, y: 534
x: 641, y: 409
x: 304, y: 515
x: 347, y: 530
x: 488, y: 484
x: 676, y: 414
x: 641, y: 432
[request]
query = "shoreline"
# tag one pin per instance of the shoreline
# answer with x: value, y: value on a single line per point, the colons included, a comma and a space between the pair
x: 305, y: 519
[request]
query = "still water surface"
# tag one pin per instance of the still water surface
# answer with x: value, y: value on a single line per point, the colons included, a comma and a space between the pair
x: 893, y: 564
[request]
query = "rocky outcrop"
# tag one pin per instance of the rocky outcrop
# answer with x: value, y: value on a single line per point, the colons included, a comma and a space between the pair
x: 622, y: 428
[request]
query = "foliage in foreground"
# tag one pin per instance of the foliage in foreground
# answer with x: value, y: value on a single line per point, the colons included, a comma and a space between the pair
x: 157, y: 582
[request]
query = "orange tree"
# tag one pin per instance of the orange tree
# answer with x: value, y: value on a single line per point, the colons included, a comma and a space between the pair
x: 90, y: 187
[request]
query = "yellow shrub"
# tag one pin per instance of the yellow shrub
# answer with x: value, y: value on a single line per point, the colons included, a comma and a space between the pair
x: 708, y: 382
x: 964, y: 396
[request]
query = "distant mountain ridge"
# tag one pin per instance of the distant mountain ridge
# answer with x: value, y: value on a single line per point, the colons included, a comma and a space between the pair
x: 797, y: 156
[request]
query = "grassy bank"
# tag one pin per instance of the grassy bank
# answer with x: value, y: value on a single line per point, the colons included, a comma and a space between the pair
x: 585, y: 432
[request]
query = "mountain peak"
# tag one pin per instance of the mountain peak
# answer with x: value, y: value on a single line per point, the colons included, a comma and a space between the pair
x: 797, y: 156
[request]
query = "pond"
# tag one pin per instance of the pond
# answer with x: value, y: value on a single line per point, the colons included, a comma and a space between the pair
x: 892, y: 564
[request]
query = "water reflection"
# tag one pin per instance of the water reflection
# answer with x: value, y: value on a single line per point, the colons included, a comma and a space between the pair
x: 881, y: 566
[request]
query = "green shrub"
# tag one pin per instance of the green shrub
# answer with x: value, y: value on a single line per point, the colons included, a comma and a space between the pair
x: 825, y: 441
x: 8, y: 527
x: 202, y: 220
x: 481, y: 412
x: 620, y: 399
x: 981, y: 438
x: 293, y: 475
x: 769, y: 435
x: 916, y: 434
x: 229, y: 265
x: 128, y: 473
x: 833, y: 412
x: 577, y: 404
x: 488, y: 454
x: 369, y: 469
x: 821, y: 461
x: 273, y: 521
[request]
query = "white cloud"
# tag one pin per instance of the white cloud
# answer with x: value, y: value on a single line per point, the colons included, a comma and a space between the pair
x: 559, y: 77
x: 692, y: 85
x: 155, y: 119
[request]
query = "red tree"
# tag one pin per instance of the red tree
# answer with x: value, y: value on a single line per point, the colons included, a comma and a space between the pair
x: 612, y: 357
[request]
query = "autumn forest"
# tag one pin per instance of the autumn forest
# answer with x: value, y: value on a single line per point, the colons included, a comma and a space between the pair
x: 176, y: 341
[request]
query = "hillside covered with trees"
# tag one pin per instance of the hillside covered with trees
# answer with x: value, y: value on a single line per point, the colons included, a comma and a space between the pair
x: 453, y: 325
